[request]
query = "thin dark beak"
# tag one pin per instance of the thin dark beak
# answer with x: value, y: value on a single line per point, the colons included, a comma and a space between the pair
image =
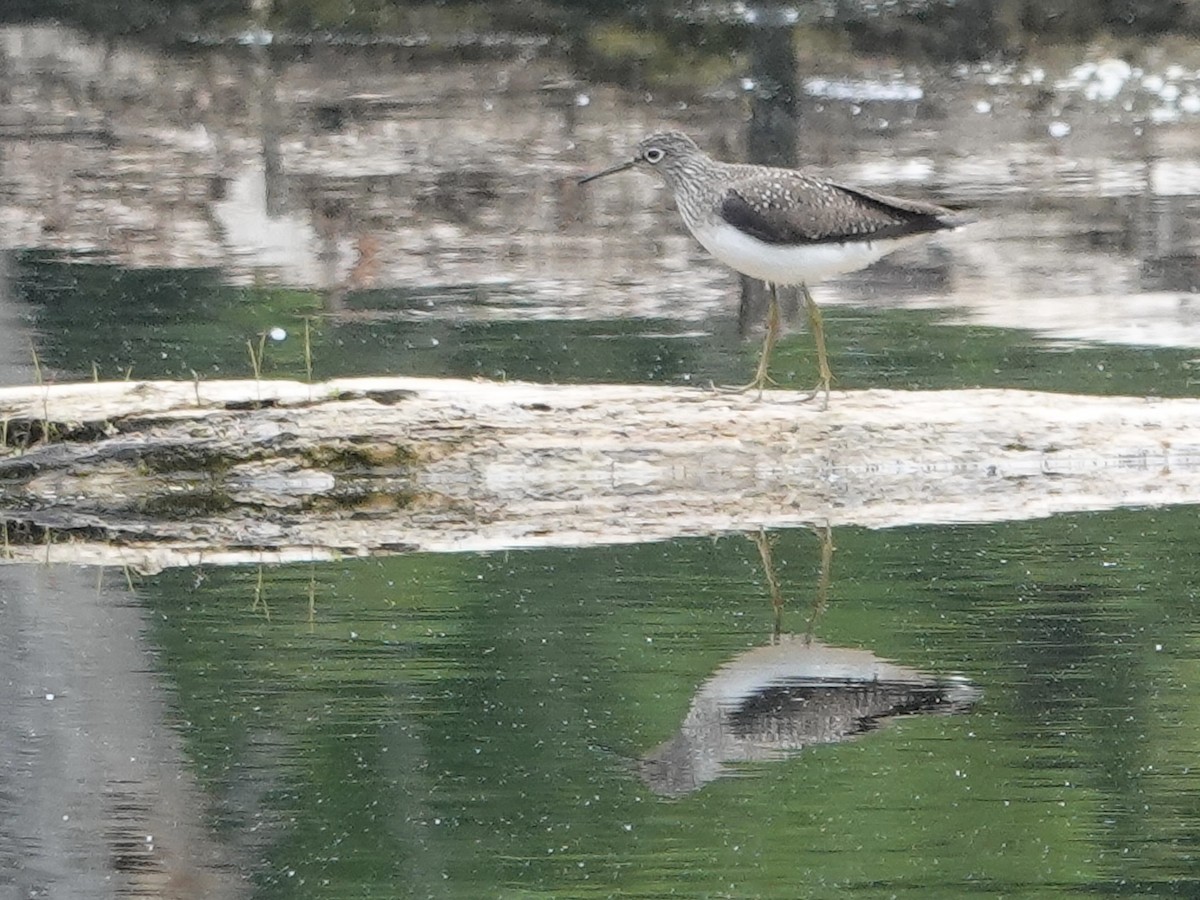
x: 611, y: 170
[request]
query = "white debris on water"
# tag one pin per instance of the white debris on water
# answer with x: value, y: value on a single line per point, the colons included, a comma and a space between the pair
x: 863, y: 90
x: 1166, y: 94
x: 1162, y: 96
x: 1102, y: 80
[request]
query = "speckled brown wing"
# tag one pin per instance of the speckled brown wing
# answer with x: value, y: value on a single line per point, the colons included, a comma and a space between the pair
x: 803, y: 210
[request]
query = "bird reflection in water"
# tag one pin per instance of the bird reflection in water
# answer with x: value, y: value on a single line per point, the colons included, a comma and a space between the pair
x: 772, y: 701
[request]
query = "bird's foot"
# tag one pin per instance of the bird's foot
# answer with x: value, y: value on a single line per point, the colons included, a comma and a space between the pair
x: 760, y: 384
x: 765, y: 382
x: 821, y: 390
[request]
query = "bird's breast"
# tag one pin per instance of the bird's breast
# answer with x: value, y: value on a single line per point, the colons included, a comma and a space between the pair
x: 789, y: 263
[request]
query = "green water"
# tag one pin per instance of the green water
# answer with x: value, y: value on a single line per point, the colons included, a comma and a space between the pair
x: 464, y: 726
x: 469, y: 726
x: 188, y: 321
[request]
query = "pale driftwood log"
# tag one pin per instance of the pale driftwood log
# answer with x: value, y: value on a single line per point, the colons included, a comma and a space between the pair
x: 155, y: 474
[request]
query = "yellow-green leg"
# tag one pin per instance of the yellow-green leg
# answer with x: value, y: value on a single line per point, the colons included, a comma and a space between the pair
x: 821, y: 596
x: 817, y: 326
x: 774, y: 325
x: 763, y: 543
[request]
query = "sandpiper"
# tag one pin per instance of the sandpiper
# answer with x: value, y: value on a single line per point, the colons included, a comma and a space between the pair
x: 782, y: 226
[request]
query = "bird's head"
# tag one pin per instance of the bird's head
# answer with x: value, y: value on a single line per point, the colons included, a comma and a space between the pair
x: 667, y: 154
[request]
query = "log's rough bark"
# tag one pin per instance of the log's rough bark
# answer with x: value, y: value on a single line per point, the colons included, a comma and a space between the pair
x: 174, y: 473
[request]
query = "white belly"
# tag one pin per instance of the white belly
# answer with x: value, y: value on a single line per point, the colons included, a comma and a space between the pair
x: 802, y: 263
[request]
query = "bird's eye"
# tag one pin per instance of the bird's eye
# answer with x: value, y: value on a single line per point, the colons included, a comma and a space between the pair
x: 654, y: 155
